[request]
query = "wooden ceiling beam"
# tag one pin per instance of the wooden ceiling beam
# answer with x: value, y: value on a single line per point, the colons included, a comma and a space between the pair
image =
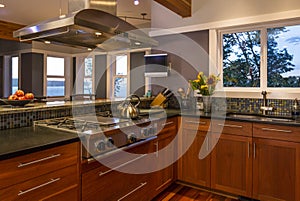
x: 7, y: 29
x: 181, y: 7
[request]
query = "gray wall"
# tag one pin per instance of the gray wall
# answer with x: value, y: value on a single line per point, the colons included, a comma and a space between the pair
x: 100, y: 76
x: 32, y: 72
x: 12, y: 46
x: 137, y: 70
x: 1, y: 76
x: 187, y: 53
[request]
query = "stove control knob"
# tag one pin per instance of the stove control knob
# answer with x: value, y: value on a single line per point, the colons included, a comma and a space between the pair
x: 144, y: 132
x: 101, y: 145
x: 109, y: 142
x: 151, y: 131
x: 131, y: 138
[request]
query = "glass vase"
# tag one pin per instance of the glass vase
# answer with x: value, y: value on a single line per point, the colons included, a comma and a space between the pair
x: 206, y: 104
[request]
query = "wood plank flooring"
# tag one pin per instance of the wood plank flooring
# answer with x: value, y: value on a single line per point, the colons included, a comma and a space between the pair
x: 178, y: 192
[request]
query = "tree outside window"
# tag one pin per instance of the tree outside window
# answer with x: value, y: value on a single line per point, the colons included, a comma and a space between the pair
x: 242, y: 53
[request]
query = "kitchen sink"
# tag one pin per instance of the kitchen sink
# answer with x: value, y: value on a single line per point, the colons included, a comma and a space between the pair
x: 259, y: 117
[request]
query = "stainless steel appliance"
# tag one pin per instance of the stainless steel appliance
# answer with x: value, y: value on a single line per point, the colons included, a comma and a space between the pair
x: 89, y: 24
x: 102, y: 133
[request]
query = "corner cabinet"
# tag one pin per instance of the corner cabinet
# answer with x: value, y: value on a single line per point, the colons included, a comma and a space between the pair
x: 52, y: 174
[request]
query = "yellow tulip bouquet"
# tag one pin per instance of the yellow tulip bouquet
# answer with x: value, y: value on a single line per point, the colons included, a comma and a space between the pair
x: 206, y: 85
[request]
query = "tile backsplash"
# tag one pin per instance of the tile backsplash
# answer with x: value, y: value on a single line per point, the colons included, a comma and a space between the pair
x: 283, y: 107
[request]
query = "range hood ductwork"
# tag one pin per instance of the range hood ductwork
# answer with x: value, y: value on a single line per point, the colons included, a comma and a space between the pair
x: 89, y: 28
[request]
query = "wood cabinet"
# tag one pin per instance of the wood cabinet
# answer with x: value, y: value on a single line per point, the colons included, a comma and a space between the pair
x: 231, y: 161
x: 231, y: 165
x: 165, y: 147
x: 191, y: 168
x: 255, y: 160
x: 52, y: 174
x: 276, y: 162
x: 118, y: 176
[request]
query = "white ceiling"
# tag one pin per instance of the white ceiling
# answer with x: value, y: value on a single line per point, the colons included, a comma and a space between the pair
x: 31, y: 11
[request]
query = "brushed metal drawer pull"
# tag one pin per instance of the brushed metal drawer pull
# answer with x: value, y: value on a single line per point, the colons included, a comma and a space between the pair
x: 168, y: 123
x: 230, y: 125
x: 39, y: 160
x: 276, y: 130
x: 137, y: 188
x: 197, y: 122
x: 122, y: 165
x: 254, y: 150
x: 39, y: 186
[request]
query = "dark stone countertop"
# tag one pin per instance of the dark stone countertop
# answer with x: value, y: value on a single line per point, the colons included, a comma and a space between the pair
x: 21, y: 141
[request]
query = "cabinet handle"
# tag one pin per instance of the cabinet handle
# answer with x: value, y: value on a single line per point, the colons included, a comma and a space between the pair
x: 122, y: 165
x: 168, y: 123
x: 39, y: 186
x: 39, y: 160
x: 197, y: 122
x: 156, y: 149
x: 248, y: 149
x: 230, y: 125
x: 254, y: 150
x: 207, y: 144
x: 276, y: 130
x: 137, y: 188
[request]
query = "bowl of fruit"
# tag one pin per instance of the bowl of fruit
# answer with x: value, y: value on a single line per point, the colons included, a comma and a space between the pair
x: 19, y: 98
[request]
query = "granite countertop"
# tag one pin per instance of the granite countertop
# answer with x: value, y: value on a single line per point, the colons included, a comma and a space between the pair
x: 276, y: 120
x: 20, y: 141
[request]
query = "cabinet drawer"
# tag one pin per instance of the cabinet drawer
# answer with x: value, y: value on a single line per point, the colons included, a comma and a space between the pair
x: 232, y: 127
x: 279, y: 132
x: 44, y: 187
x: 25, y: 167
x: 194, y: 123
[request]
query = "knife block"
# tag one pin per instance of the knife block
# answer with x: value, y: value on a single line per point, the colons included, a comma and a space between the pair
x: 158, y: 100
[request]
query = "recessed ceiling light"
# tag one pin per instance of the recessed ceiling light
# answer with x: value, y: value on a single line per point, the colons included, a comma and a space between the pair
x: 47, y: 42
x: 98, y: 33
x: 2, y: 5
x: 89, y: 49
x: 137, y: 43
x: 136, y: 2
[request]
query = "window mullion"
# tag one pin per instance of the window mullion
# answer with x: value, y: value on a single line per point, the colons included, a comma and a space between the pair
x: 263, y: 60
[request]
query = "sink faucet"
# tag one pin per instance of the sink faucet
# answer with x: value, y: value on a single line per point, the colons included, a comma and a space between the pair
x: 265, y: 108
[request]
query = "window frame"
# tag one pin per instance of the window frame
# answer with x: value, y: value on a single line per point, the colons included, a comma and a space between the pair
x: 112, y: 60
x: 54, y: 76
x: 216, y: 37
x: 19, y: 71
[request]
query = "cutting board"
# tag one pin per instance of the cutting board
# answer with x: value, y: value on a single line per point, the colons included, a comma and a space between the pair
x: 158, y: 100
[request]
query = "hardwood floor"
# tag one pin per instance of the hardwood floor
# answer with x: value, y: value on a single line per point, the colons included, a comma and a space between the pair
x: 178, y: 192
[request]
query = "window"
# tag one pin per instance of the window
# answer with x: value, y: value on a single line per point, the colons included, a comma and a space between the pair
x: 120, y: 77
x: 55, y: 76
x: 15, y: 74
x: 88, y: 73
x: 262, y: 58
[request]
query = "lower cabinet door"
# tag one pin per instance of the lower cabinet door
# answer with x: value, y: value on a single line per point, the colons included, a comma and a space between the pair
x: 276, y: 170
x: 192, y: 169
x: 60, y: 185
x: 231, y: 165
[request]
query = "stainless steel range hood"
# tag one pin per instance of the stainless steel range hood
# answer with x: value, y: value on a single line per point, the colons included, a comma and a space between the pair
x: 89, y: 24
